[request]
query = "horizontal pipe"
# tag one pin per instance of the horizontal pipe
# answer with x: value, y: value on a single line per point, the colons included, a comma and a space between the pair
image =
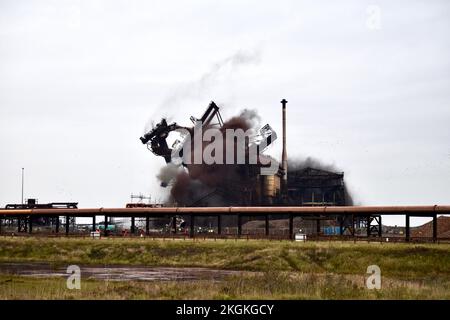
x: 139, y: 212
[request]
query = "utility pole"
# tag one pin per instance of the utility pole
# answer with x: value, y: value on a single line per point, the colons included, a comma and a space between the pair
x: 284, y: 160
x: 22, y: 182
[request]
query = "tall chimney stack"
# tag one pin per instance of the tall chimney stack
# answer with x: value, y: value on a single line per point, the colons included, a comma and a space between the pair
x: 284, y: 154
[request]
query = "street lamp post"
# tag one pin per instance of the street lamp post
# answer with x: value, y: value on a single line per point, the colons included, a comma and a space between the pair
x: 22, y: 182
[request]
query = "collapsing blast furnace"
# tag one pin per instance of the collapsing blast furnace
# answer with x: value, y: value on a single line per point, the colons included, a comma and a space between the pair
x: 237, y: 183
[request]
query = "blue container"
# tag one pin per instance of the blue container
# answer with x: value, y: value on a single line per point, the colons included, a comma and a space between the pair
x: 331, y: 231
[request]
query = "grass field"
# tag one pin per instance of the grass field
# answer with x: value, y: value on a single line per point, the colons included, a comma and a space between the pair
x: 288, y: 270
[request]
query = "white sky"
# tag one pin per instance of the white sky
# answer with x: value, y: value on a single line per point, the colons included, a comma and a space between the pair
x: 81, y: 80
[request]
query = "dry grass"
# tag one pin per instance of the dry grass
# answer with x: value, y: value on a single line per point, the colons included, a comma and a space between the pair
x: 270, y: 285
x: 403, y: 261
x: 288, y: 270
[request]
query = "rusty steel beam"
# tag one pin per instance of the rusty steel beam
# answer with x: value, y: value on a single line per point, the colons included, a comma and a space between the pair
x: 67, y: 225
x: 106, y: 225
x: 239, y: 225
x: 380, y: 227
x: 434, y: 228
x: 141, y: 212
x: 174, y: 224
x: 407, y: 229
x: 291, y: 226
x: 368, y: 225
x: 353, y: 225
x: 133, y: 225
x: 57, y: 225
x: 192, y: 226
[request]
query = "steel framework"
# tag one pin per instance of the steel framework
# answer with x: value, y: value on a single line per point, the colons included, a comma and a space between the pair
x: 369, y: 215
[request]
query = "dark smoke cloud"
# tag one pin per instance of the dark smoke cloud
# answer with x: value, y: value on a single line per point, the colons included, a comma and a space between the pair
x: 212, y: 184
x: 310, y: 162
x: 168, y: 173
x: 224, y: 184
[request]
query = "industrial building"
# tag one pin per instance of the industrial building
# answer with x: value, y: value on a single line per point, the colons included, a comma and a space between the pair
x: 243, y: 184
x: 316, y: 187
x: 232, y: 200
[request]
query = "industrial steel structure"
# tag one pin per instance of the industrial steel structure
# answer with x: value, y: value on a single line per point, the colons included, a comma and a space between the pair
x: 315, y: 187
x: 31, y: 203
x: 313, y: 194
x: 372, y: 214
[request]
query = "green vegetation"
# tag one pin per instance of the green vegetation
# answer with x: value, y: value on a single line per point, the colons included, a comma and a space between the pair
x: 404, y: 261
x: 287, y: 270
x: 269, y: 285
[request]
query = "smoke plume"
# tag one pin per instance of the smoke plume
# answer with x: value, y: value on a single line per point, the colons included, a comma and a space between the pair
x: 213, y: 184
x: 225, y: 184
x: 202, y: 86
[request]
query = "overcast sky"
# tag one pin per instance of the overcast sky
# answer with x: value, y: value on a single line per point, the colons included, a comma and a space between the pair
x: 368, y: 85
